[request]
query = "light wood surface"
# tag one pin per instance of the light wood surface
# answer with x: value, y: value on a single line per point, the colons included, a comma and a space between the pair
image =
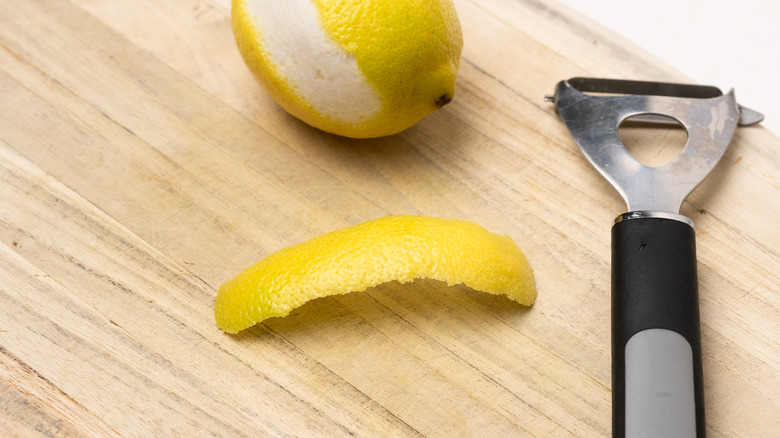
x: 141, y: 166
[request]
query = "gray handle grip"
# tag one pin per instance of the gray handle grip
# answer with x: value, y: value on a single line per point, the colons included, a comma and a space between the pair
x: 659, y: 385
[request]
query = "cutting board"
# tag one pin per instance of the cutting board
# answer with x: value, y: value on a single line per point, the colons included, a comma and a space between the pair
x: 141, y: 166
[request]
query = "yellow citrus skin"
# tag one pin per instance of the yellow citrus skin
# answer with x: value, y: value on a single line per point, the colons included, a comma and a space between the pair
x: 407, y: 53
x: 353, y: 259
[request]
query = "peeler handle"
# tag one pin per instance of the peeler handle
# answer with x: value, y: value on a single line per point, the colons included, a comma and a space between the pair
x: 656, y: 339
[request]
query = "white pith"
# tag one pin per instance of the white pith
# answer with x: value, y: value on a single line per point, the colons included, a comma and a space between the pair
x: 321, y: 72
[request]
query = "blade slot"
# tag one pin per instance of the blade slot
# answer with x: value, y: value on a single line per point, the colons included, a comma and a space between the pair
x: 654, y: 140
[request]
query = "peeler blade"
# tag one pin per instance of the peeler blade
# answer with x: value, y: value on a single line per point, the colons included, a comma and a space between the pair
x: 594, y: 108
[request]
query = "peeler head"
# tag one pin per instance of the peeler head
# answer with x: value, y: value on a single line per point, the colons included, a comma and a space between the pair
x: 593, y: 110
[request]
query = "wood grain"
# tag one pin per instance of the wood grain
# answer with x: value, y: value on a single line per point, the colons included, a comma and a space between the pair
x: 141, y: 166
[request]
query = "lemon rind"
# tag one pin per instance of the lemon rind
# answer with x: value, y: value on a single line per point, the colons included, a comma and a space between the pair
x: 354, y: 259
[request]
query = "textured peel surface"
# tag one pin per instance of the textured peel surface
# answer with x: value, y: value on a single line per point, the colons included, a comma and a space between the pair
x: 353, y: 259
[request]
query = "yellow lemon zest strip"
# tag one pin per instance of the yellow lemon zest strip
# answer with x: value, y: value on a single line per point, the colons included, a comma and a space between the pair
x: 353, y: 259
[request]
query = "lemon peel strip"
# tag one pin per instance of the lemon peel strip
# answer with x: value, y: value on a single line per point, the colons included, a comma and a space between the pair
x: 353, y: 259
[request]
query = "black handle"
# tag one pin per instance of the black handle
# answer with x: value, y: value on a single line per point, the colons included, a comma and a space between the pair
x: 656, y: 340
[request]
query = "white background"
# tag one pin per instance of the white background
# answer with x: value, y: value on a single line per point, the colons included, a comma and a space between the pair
x: 728, y: 44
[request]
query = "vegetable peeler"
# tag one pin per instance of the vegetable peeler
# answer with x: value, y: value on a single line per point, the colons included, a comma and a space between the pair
x: 657, y: 383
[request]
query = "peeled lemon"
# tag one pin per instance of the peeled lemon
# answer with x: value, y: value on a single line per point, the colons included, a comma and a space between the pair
x: 353, y: 259
x: 357, y: 68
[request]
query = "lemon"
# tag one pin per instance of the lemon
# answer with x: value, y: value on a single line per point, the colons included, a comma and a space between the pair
x: 353, y: 259
x: 357, y: 68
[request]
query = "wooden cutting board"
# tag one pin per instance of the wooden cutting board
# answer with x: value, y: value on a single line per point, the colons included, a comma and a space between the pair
x: 141, y: 166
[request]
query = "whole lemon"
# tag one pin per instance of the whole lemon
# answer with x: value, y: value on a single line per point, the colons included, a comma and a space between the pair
x: 357, y: 68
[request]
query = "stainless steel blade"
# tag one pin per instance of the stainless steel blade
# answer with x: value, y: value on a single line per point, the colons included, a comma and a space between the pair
x: 593, y: 120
